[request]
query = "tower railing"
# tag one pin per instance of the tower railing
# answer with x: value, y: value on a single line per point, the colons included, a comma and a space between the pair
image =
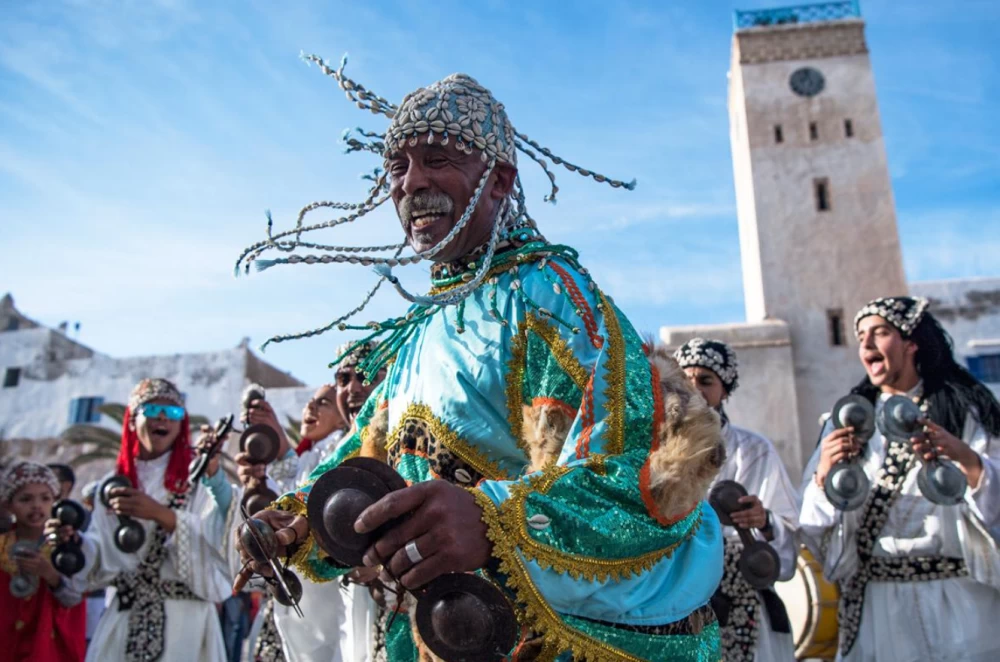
x: 823, y: 11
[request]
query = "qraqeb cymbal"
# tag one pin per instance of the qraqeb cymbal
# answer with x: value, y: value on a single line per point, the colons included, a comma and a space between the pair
x: 461, y: 617
x: 261, y: 443
x: 759, y: 563
x: 464, y: 618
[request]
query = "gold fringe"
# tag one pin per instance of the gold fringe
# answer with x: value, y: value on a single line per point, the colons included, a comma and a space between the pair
x: 515, y: 521
x: 537, y: 614
x: 560, y: 349
x: 515, y: 387
x: 614, y: 433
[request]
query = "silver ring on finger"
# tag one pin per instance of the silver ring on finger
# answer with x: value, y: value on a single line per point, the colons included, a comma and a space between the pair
x: 413, y: 553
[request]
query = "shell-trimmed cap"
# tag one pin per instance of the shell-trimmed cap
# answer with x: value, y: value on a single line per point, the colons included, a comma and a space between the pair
x: 154, y: 389
x: 904, y: 313
x: 714, y: 355
x: 348, y: 358
x: 25, y: 472
x: 456, y: 109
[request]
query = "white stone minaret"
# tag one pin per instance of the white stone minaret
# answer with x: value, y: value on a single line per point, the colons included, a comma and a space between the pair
x: 817, y: 221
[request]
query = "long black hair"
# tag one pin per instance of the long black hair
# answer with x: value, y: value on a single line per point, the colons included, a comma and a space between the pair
x: 949, y: 389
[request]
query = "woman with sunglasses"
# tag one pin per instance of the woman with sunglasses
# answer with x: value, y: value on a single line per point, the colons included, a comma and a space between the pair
x: 165, y: 592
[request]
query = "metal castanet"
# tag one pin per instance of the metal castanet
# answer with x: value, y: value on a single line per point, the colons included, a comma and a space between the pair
x: 23, y: 586
x: 129, y: 536
x: 261, y: 443
x: 68, y: 556
x: 464, y: 618
x: 261, y: 543
x: 940, y: 482
x: 199, y: 465
x: 847, y: 485
x: 461, y: 617
x: 759, y: 563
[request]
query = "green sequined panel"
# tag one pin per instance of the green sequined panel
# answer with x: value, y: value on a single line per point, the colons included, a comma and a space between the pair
x: 399, y: 646
x: 603, y: 516
x: 544, y: 377
x: 701, y: 647
x: 637, y: 390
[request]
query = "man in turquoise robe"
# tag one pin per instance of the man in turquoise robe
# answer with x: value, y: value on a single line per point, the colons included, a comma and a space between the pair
x: 543, y: 447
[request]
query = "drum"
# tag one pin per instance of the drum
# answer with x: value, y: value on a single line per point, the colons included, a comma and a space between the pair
x: 811, y: 602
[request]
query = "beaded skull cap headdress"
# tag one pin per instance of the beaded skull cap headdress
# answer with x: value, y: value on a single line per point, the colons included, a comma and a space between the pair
x: 904, y: 313
x: 456, y: 110
x: 351, y: 354
x: 714, y: 355
x: 154, y: 389
x: 24, y: 472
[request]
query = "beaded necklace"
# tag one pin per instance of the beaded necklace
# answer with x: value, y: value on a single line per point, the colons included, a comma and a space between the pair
x: 523, y: 246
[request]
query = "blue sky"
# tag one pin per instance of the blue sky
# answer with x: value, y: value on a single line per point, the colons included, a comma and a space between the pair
x: 141, y: 142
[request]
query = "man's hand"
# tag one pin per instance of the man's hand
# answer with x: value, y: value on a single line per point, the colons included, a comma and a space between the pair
x: 250, y: 474
x: 445, y: 523
x: 136, y: 503
x: 260, y: 411
x: 938, y: 442
x: 754, y: 517
x: 289, y: 528
x: 35, y: 563
x: 58, y: 532
x: 836, y: 446
x: 206, y: 439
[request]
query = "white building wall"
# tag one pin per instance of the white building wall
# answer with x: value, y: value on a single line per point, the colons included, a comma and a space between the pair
x: 969, y: 309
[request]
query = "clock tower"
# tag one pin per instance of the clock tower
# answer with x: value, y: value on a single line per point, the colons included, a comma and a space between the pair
x: 817, y: 221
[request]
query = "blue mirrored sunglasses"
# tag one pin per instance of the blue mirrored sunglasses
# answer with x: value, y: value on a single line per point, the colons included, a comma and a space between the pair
x: 172, y: 412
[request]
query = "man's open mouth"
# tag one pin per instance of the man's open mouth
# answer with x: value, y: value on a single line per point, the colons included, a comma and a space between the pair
x: 875, y: 363
x: 423, y: 219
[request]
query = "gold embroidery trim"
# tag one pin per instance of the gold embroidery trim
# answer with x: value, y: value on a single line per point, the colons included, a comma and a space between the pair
x: 614, y: 395
x: 515, y: 387
x: 560, y: 349
x: 537, y: 614
x: 513, y: 513
x: 447, y: 437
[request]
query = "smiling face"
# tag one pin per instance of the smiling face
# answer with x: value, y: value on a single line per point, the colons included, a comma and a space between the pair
x: 888, y: 358
x: 431, y: 185
x: 708, y: 384
x: 352, y: 391
x: 31, y: 506
x: 321, y: 415
x: 157, y: 434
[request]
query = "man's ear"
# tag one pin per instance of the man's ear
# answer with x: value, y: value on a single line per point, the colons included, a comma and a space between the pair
x: 503, y: 181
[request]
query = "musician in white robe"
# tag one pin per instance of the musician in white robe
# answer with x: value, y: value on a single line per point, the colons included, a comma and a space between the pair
x: 918, y: 581
x: 337, y: 619
x: 754, y: 623
x: 165, y: 593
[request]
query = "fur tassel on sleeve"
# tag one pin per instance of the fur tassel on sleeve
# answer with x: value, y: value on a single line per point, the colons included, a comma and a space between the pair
x: 691, y: 448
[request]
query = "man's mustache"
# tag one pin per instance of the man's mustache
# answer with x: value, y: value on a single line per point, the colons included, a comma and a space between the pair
x: 422, y: 203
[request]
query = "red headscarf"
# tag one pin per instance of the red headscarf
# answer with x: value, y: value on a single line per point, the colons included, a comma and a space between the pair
x: 176, y: 477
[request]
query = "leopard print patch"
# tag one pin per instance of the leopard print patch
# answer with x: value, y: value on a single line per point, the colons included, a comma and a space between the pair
x: 416, y: 438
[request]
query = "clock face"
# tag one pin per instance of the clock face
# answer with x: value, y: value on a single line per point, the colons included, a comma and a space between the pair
x: 806, y: 82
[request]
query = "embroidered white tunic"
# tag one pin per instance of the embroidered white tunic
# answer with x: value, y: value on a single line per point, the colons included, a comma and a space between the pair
x: 951, y: 619
x: 198, y: 554
x: 753, y: 461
